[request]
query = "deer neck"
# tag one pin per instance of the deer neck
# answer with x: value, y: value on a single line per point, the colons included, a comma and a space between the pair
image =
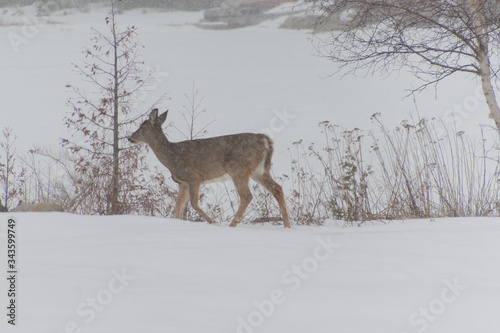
x: 163, y: 149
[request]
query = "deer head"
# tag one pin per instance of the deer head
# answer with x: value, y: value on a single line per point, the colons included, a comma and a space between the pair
x: 149, y: 129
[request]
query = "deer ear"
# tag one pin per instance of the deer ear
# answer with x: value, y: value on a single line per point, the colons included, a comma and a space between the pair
x: 153, y: 115
x: 162, y: 118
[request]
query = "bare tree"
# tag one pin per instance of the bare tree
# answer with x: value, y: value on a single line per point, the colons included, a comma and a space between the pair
x: 11, y: 175
x: 99, y: 121
x: 191, y: 114
x: 434, y: 39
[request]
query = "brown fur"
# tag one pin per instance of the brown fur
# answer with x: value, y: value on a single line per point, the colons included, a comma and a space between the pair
x: 194, y: 162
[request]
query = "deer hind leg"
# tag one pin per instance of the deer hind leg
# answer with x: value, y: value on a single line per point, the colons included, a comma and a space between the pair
x: 194, y: 192
x: 266, y: 180
x: 241, y: 184
x: 182, y: 200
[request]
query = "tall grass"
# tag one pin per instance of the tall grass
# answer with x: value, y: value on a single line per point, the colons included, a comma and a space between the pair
x: 419, y: 169
x: 411, y: 171
x: 424, y: 175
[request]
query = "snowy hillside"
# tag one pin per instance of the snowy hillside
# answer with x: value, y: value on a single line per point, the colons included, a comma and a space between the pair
x: 136, y: 274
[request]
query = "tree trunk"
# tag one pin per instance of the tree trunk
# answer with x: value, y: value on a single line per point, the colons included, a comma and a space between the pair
x: 482, y: 35
x: 489, y: 92
x: 115, y: 209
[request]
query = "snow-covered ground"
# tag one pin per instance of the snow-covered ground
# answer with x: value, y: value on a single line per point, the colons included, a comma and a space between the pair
x: 138, y: 274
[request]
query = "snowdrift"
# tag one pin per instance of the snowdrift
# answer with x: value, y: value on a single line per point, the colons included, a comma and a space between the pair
x: 140, y: 274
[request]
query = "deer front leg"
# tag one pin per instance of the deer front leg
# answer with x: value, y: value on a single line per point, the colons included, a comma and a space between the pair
x: 241, y: 184
x: 194, y: 192
x: 182, y: 200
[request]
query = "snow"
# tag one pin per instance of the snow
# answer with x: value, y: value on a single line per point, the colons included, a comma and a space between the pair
x: 164, y: 275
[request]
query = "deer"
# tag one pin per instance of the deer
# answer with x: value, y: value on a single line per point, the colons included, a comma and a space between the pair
x: 193, y: 163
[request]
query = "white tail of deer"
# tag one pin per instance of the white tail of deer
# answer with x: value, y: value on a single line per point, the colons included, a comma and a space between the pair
x: 195, y: 162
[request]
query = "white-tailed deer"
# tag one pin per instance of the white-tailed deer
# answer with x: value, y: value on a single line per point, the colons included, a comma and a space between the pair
x: 195, y: 162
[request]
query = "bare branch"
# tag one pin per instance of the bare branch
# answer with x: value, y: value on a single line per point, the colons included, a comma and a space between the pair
x: 432, y: 38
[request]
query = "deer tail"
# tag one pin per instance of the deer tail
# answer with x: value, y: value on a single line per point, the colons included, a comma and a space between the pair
x: 269, y: 153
